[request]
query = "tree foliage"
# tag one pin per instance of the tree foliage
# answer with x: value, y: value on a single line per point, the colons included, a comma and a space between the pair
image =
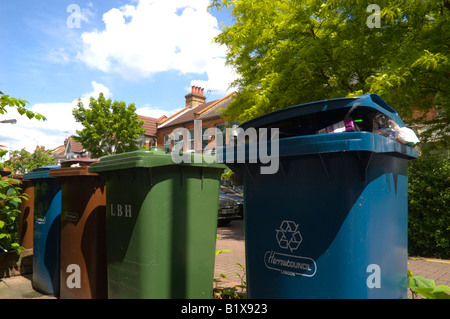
x: 10, y: 194
x: 19, y: 105
x: 288, y: 52
x: 109, y: 127
x: 22, y: 162
x: 10, y: 198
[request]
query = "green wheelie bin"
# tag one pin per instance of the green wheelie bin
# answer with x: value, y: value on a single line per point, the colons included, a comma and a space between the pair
x: 161, y: 224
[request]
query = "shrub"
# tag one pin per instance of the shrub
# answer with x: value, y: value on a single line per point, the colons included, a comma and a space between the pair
x: 10, y: 198
x: 429, y: 206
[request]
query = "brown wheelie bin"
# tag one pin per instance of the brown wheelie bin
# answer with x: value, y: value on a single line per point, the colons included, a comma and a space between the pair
x: 83, y: 231
x: 26, y: 217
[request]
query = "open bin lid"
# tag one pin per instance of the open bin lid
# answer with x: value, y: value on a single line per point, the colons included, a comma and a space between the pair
x: 75, y: 167
x: 306, y: 119
x: 40, y: 172
x: 153, y: 157
x: 298, y: 126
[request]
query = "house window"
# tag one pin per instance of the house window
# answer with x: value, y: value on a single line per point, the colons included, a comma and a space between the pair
x: 221, y: 135
x: 167, y: 141
x: 141, y: 141
x: 205, y: 139
x: 191, y: 140
x: 178, y: 138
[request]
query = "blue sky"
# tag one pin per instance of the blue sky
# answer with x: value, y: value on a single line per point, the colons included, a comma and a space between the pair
x: 147, y: 52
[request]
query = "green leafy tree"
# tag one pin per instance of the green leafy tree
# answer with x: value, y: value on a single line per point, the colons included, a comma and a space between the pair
x: 109, y: 127
x: 19, y: 105
x: 288, y: 52
x: 22, y: 161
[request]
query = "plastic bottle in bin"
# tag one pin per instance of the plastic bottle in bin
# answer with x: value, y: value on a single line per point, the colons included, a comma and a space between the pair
x: 388, y: 128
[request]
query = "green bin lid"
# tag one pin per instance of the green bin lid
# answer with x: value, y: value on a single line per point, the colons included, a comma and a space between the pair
x: 153, y: 157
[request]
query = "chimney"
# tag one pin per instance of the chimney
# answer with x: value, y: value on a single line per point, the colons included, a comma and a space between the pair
x: 196, y: 96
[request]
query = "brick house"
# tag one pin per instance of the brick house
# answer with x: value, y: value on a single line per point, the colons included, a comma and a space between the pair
x: 196, y: 109
x: 150, y: 126
x: 73, y: 149
x: 70, y: 150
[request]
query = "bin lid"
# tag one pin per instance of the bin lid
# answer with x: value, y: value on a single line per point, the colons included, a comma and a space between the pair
x: 74, y: 167
x: 344, y: 142
x: 368, y: 101
x: 153, y: 157
x: 40, y: 172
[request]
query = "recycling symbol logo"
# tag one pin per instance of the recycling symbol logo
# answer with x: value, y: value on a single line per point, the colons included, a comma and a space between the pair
x: 288, y: 236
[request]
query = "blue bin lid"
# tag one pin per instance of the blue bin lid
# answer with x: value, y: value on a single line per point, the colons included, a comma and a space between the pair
x: 369, y: 101
x: 41, y: 172
x: 311, y: 143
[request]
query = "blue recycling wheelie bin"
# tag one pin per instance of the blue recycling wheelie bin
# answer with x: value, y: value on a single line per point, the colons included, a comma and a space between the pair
x: 47, y: 226
x: 331, y: 221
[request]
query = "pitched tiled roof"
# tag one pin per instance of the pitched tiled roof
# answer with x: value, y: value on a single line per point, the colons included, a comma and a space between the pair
x: 184, y: 115
x: 188, y: 114
x: 77, y: 147
x: 214, y: 110
x: 149, y: 124
x: 59, y: 151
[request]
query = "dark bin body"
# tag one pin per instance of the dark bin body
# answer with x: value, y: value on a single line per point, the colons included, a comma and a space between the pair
x: 47, y: 226
x: 332, y: 222
x: 83, y: 231
x: 161, y: 225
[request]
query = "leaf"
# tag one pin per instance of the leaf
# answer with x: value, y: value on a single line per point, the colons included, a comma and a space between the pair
x: 422, y: 282
x: 2, y: 223
x: 30, y: 114
x: 428, y: 289
x: 219, y: 251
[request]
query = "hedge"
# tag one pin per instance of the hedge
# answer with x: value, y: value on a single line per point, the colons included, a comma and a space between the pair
x: 429, y: 206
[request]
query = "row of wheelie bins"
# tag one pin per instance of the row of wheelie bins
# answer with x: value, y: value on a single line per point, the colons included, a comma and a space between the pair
x: 331, y: 222
x: 130, y: 225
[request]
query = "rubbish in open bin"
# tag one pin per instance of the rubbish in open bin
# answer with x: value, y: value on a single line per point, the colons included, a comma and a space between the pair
x: 83, y: 231
x: 46, y: 235
x: 332, y: 221
x: 161, y: 225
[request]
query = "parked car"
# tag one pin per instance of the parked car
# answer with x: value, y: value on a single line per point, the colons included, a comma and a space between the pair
x: 230, y: 206
x: 228, y: 210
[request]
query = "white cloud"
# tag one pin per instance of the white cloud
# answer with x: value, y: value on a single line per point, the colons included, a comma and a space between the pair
x: 156, y: 36
x: 51, y: 133
x: 97, y: 89
x: 59, y: 55
x: 151, y: 111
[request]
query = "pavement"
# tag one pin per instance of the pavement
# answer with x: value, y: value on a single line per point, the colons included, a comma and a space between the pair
x: 227, y: 263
